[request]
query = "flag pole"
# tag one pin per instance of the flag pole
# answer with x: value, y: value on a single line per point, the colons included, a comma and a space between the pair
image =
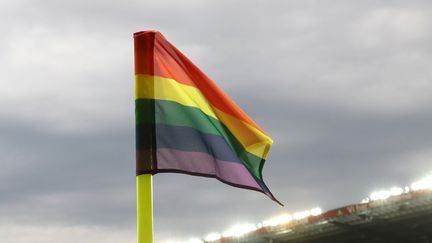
x: 145, y: 208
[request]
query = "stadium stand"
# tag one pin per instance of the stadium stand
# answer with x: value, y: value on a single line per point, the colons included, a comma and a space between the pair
x: 397, y: 215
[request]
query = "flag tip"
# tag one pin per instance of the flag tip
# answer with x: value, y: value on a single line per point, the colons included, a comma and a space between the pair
x: 145, y: 32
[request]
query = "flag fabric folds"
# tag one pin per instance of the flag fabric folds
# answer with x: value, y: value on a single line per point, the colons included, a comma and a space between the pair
x: 186, y: 124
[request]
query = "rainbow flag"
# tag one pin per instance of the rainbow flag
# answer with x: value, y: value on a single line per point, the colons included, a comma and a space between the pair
x: 186, y: 124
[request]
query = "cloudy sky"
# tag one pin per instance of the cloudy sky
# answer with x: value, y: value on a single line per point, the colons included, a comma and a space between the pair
x: 343, y: 87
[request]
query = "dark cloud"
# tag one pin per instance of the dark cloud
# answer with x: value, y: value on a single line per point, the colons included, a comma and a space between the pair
x: 343, y: 87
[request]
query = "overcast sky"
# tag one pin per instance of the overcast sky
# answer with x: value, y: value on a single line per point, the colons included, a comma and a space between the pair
x: 343, y: 87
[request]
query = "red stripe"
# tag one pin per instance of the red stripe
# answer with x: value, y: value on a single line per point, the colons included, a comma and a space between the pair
x: 144, y: 46
x: 169, y: 62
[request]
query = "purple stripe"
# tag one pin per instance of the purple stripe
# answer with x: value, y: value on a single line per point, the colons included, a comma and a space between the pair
x: 202, y: 163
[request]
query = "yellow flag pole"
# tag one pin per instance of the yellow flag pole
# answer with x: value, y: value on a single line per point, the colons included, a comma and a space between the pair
x: 145, y: 208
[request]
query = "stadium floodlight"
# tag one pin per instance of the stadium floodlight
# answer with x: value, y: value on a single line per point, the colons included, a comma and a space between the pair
x: 315, y: 211
x: 213, y: 237
x: 282, y: 219
x: 423, y: 184
x: 380, y: 195
x: 396, y: 191
x: 301, y: 215
x: 366, y: 200
x: 270, y: 222
x: 194, y: 240
x: 239, y: 230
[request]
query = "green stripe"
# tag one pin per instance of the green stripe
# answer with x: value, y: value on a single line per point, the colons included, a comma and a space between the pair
x: 173, y: 113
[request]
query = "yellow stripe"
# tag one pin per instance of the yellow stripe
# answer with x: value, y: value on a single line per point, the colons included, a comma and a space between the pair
x: 154, y: 87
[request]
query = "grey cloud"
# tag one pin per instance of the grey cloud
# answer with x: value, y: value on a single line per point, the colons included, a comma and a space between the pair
x: 343, y: 87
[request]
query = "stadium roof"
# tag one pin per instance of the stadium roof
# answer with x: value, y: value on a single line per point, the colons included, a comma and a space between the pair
x: 395, y: 215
